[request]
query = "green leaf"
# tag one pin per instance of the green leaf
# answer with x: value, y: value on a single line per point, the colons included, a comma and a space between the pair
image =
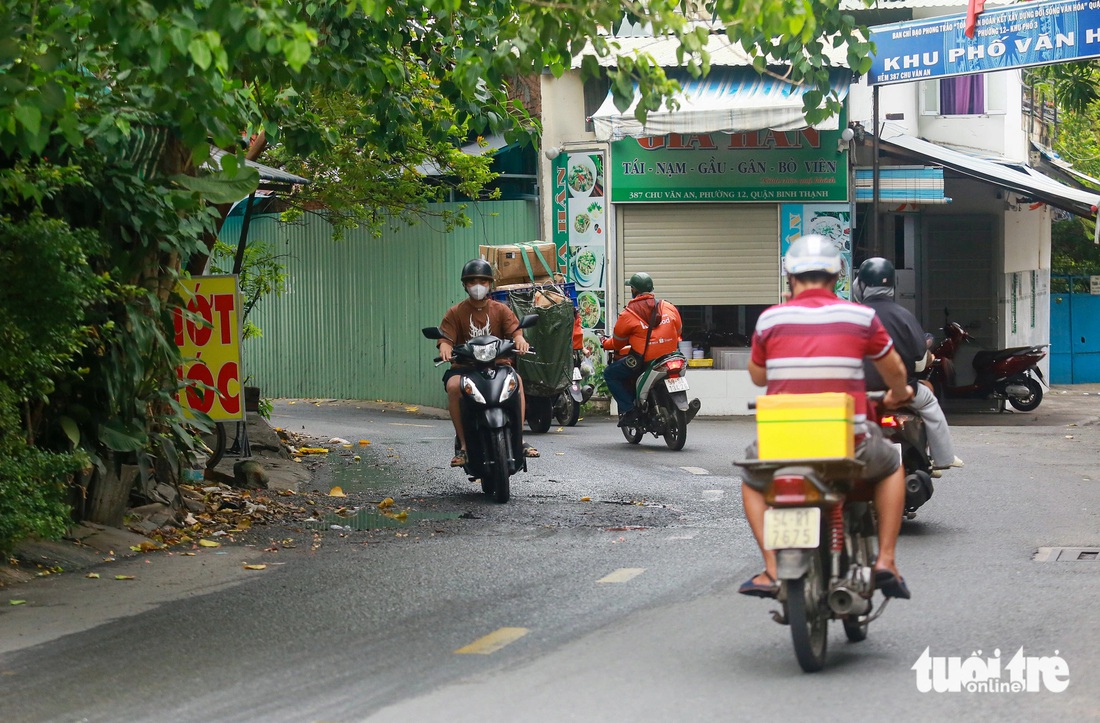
x: 72, y: 431
x: 30, y: 117
x: 297, y: 53
x: 200, y: 52
x: 222, y: 187
x: 121, y: 437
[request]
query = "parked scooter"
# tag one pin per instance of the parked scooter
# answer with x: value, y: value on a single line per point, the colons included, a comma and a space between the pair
x: 567, y: 405
x: 490, y: 410
x: 1004, y: 374
x: 821, y: 525
x: 661, y: 405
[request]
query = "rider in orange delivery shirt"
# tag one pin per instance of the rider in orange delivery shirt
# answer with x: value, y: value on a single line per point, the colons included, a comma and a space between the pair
x: 629, y: 342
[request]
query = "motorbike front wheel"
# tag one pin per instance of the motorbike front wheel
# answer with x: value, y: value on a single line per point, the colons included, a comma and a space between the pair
x: 1031, y: 401
x: 498, y: 477
x: 808, y: 615
x: 634, y: 432
x: 540, y: 412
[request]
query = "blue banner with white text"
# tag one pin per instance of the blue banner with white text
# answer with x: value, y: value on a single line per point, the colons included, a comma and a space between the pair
x: 1018, y: 36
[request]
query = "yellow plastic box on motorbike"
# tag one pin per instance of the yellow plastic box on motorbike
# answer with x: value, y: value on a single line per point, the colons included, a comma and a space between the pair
x: 805, y: 426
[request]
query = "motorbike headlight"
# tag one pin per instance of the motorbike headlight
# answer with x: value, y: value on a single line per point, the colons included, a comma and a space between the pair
x: 510, y: 388
x: 486, y: 352
x: 471, y: 390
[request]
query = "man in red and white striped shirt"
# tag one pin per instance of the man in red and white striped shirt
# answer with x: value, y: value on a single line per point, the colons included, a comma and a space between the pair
x: 816, y: 343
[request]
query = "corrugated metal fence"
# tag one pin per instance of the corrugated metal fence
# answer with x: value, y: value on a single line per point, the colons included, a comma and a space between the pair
x: 348, y: 326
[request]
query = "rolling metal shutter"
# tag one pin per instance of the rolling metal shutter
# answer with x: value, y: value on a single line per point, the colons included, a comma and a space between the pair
x: 701, y: 254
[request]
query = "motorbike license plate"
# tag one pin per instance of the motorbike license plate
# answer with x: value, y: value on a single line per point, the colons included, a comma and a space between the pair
x: 795, y: 527
x: 677, y: 384
x: 576, y: 374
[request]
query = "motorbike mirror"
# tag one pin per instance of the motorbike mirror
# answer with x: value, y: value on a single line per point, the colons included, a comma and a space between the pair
x: 432, y: 332
x: 528, y: 321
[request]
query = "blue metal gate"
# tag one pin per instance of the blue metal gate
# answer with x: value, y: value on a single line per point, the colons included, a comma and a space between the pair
x: 1074, y: 331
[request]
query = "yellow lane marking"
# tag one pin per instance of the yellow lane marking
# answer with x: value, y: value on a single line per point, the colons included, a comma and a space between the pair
x: 623, y: 574
x: 493, y: 642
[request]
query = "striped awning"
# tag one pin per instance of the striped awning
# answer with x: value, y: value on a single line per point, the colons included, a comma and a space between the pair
x: 726, y: 101
x: 901, y: 184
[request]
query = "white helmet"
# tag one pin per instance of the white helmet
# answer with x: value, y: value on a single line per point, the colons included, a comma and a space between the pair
x: 812, y: 253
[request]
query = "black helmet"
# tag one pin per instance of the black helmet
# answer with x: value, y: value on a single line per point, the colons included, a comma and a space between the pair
x: 477, y: 268
x: 876, y: 271
x: 641, y: 283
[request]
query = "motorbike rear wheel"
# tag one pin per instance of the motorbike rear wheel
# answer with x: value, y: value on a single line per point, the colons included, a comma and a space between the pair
x: 497, y: 473
x: 566, y: 409
x: 865, y: 543
x: 1031, y: 401
x: 676, y: 428
x: 809, y: 616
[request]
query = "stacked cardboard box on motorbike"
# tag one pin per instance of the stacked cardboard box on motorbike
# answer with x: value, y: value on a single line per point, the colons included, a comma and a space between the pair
x: 531, y: 262
x: 805, y: 426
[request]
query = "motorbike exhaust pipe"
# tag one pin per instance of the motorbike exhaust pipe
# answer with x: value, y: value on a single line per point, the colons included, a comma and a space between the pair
x: 843, y: 601
x: 918, y: 489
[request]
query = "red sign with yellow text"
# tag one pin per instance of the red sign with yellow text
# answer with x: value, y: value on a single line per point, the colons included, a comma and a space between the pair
x: 209, y: 339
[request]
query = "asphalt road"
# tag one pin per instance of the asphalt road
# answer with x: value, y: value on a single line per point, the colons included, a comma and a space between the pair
x: 619, y: 607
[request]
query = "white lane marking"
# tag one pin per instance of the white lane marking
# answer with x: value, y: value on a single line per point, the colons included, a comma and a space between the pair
x: 713, y: 494
x: 623, y: 574
x: 406, y: 424
x: 695, y: 470
x: 492, y: 642
x: 680, y: 537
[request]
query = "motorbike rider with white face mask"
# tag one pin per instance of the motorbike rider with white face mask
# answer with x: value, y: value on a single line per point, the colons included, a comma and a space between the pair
x: 475, y: 316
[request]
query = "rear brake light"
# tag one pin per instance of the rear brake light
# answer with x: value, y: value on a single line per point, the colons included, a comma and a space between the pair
x: 889, y: 422
x: 674, y: 366
x: 792, y: 489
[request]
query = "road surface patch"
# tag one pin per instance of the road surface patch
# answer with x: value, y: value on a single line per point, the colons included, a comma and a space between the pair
x: 623, y: 574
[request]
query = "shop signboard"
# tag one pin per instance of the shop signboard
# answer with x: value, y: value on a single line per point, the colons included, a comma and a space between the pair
x: 580, y: 232
x: 1017, y: 36
x: 209, y: 339
x: 831, y: 220
x: 753, y: 167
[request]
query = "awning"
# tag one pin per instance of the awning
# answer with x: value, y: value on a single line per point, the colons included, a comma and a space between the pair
x: 726, y: 101
x: 999, y: 172
x: 901, y: 184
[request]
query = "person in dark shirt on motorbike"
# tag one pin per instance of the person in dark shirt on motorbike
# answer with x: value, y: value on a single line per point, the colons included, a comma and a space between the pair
x: 874, y: 287
x: 476, y: 316
x: 647, y: 328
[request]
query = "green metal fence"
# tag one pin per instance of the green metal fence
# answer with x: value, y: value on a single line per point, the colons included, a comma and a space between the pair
x: 348, y: 326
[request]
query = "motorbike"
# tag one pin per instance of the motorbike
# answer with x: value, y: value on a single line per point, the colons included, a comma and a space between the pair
x: 1010, y: 375
x: 567, y: 405
x: 662, y: 407
x: 906, y: 429
x: 821, y: 525
x: 490, y: 410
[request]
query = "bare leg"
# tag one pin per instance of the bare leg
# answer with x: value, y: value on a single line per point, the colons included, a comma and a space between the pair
x: 454, y: 395
x: 890, y: 506
x: 754, y: 513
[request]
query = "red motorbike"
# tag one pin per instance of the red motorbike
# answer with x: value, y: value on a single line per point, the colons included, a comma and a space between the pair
x: 1010, y: 375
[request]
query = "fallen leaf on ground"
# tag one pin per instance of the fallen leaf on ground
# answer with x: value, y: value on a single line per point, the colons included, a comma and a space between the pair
x: 388, y: 502
x: 209, y: 543
x: 255, y: 567
x: 586, y: 499
x: 312, y: 450
x: 188, y: 554
x: 124, y: 577
x: 336, y: 492
x: 412, y: 409
x: 364, y: 441
x: 17, y: 602
x: 92, y: 576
